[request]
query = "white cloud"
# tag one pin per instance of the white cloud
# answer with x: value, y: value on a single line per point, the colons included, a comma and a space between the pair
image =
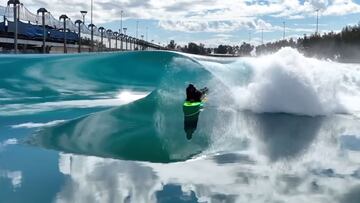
x: 216, y: 16
x: 195, y: 12
x: 206, y: 26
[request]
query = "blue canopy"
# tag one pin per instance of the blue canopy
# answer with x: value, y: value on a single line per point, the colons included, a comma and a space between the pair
x: 27, y: 29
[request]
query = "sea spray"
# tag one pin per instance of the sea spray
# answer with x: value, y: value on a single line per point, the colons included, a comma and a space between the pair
x: 288, y: 82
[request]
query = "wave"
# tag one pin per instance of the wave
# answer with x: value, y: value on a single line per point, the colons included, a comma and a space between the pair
x: 280, y: 95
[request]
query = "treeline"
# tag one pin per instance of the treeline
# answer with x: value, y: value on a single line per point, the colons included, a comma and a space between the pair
x: 244, y: 50
x: 342, y: 46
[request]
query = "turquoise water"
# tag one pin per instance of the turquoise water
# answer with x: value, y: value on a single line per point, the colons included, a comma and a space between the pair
x: 111, y: 128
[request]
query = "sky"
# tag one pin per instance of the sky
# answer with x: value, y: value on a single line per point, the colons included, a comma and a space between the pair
x: 211, y: 22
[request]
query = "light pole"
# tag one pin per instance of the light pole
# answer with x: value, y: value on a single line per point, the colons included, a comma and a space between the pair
x: 116, y: 34
x: 147, y: 33
x: 64, y: 17
x: 79, y: 22
x: 121, y: 14
x: 92, y: 36
x: 101, y: 30
x: 92, y: 25
x: 129, y: 40
x: 126, y: 42
x: 121, y: 37
x: 83, y: 13
x: 91, y: 11
x: 137, y: 28
x: 284, y: 31
x: 137, y: 33
x: 15, y: 3
x: 249, y: 36
x: 109, y: 34
x: 126, y: 39
x: 43, y: 11
x: 262, y: 35
x: 317, y: 22
x: 132, y: 43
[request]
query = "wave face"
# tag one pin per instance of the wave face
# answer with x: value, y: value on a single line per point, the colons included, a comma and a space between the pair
x: 281, y: 94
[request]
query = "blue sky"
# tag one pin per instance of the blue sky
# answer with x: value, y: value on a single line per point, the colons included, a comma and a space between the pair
x: 211, y: 22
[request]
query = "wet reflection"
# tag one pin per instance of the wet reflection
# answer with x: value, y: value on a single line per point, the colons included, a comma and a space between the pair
x: 94, y: 179
x: 353, y: 196
x: 138, y: 132
x: 284, y: 135
x: 277, y: 175
x: 233, y: 158
x: 174, y: 193
x: 145, y: 130
x: 104, y: 180
x: 190, y: 124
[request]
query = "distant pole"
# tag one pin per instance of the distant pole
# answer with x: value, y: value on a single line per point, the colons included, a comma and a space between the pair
x: 126, y: 39
x: 109, y: 34
x: 83, y: 13
x: 137, y: 28
x: 137, y: 33
x: 15, y: 3
x: 92, y: 36
x: 147, y: 33
x: 92, y: 27
x: 121, y: 14
x: 64, y: 17
x: 116, y: 34
x: 43, y: 11
x: 317, y: 22
x: 262, y: 35
x: 284, y: 31
x: 16, y: 28
x: 121, y: 41
x: 79, y: 24
x: 126, y: 43
x: 91, y: 12
x: 101, y: 30
x: 249, y: 36
x: 44, y: 34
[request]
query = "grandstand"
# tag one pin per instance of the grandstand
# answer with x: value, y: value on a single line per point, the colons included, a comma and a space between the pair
x: 30, y: 34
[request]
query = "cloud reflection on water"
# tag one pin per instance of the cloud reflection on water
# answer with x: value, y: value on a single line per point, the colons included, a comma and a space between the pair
x: 307, y: 164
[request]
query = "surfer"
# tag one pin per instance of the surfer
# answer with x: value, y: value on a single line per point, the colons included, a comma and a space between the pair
x: 191, y: 108
x: 194, y: 95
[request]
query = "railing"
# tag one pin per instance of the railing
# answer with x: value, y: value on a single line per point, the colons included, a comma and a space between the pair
x: 52, y: 23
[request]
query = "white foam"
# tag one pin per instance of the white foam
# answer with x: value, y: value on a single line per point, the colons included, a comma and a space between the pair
x: 37, y: 125
x: 121, y: 99
x: 288, y: 82
x: 7, y: 142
